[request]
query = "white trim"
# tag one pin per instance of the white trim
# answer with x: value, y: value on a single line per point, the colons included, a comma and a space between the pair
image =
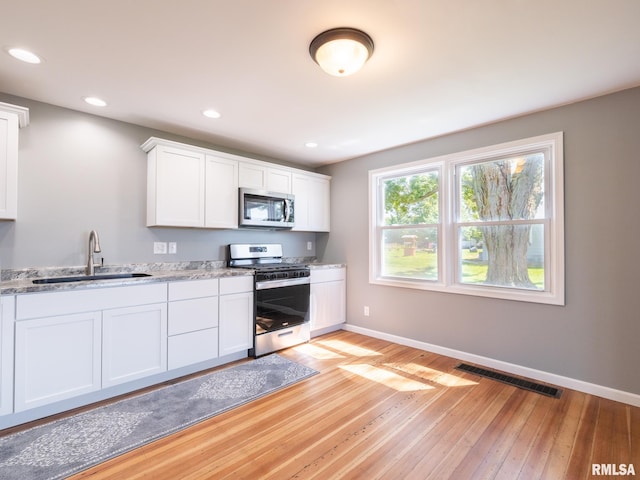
x: 559, y: 380
x: 21, y: 112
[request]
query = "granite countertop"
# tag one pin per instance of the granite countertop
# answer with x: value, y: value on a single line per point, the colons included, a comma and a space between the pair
x: 20, y: 281
x: 319, y: 265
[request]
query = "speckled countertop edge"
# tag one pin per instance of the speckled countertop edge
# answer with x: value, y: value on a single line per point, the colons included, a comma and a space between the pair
x: 20, y: 281
x: 318, y: 266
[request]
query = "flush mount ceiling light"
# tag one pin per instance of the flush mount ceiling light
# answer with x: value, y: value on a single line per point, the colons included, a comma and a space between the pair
x: 341, y: 51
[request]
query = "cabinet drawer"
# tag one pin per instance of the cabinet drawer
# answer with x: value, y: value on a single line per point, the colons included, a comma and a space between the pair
x: 34, y: 305
x: 194, y: 347
x: 195, y: 314
x: 327, y: 274
x: 240, y: 284
x: 193, y: 289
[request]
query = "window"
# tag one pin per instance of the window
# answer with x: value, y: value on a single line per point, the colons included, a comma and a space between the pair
x: 485, y: 222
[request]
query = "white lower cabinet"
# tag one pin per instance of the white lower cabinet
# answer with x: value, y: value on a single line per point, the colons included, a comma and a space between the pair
x: 7, y: 309
x: 236, y: 314
x: 56, y: 358
x: 328, y: 298
x: 193, y: 322
x: 74, y: 342
x: 55, y: 346
x: 193, y: 347
x: 134, y: 343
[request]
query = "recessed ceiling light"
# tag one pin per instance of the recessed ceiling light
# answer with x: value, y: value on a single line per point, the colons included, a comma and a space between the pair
x: 95, y: 101
x: 211, y: 114
x: 24, y: 55
x: 311, y: 144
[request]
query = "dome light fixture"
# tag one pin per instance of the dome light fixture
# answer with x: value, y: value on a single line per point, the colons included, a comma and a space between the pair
x: 341, y: 51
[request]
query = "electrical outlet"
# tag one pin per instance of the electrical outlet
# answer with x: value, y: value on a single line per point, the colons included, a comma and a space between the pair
x: 309, y: 245
x: 173, y: 247
x: 366, y: 311
x: 160, y: 248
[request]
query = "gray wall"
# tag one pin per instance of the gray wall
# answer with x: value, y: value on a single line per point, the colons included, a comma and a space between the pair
x: 79, y: 172
x: 596, y: 336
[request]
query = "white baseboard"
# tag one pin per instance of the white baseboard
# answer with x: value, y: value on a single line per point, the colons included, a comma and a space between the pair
x: 579, y: 385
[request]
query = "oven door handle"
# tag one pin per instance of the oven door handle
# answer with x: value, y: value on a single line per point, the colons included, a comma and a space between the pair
x: 282, y: 283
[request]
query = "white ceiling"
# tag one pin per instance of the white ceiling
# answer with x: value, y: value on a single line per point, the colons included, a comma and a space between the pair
x: 439, y: 66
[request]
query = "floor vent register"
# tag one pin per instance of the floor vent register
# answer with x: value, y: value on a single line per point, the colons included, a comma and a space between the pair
x: 510, y: 380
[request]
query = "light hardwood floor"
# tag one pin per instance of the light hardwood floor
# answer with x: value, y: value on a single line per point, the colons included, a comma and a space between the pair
x: 379, y: 410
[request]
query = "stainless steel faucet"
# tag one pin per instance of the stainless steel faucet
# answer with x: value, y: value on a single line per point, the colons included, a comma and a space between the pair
x: 94, y: 247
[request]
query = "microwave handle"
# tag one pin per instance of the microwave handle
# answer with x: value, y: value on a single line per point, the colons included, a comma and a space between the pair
x: 287, y: 209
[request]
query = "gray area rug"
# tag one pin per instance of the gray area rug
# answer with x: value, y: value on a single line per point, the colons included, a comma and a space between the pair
x: 61, y: 448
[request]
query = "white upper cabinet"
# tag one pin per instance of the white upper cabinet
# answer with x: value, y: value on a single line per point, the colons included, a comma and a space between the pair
x: 312, y: 202
x: 175, y: 187
x: 11, y: 119
x: 190, y: 186
x: 221, y: 198
x: 264, y: 177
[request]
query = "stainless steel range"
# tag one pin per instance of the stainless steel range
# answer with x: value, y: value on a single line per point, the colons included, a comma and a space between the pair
x: 281, y: 298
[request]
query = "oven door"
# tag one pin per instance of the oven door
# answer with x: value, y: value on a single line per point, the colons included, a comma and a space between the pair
x: 281, y: 304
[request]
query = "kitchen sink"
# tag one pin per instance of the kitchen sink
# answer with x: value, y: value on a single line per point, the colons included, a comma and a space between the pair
x: 84, y: 278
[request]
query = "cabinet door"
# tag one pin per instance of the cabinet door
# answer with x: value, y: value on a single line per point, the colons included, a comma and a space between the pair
x: 56, y: 358
x: 221, y: 207
x: 8, y: 165
x: 263, y: 177
x: 311, y: 203
x: 134, y: 343
x: 278, y: 180
x: 327, y: 304
x: 175, y: 187
x: 6, y: 354
x: 251, y: 175
x: 236, y: 322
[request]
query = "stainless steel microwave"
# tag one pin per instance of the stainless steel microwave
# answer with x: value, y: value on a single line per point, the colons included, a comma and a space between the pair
x: 259, y: 208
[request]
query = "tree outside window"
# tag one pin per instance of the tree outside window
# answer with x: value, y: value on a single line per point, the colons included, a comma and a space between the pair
x: 501, y: 229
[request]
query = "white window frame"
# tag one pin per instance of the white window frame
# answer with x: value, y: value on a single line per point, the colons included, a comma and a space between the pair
x: 554, y: 287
